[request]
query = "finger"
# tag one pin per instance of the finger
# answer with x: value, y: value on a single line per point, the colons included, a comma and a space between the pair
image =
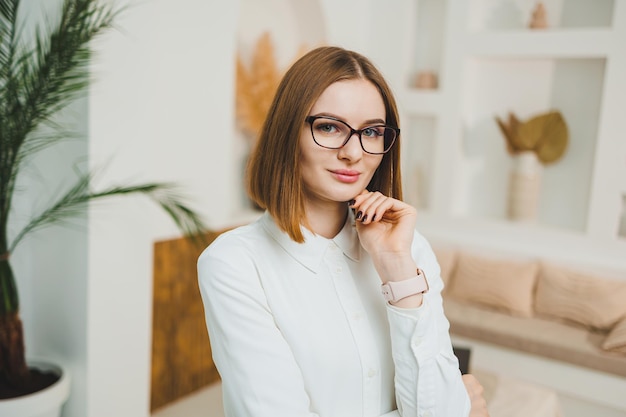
x: 362, y: 202
x: 359, y: 197
x: 366, y: 210
x: 378, y: 207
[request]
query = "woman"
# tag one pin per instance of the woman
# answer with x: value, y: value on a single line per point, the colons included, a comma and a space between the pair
x: 298, y: 323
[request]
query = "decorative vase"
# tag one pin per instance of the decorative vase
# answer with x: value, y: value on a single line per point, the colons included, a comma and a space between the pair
x: 45, y: 403
x: 524, y: 187
x: 426, y: 80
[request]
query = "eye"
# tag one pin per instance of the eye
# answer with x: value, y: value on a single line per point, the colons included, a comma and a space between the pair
x: 328, y: 127
x: 372, y: 132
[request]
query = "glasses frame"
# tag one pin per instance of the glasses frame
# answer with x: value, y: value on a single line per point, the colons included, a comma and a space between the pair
x: 311, y: 119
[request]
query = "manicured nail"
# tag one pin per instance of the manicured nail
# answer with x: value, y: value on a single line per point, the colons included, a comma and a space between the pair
x: 373, y: 217
x: 351, y: 203
x: 359, y: 214
x: 364, y: 218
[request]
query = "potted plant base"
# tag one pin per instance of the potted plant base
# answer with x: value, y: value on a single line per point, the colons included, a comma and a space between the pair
x: 46, y: 402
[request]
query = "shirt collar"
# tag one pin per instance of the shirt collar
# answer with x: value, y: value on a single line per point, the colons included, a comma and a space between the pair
x: 311, y: 253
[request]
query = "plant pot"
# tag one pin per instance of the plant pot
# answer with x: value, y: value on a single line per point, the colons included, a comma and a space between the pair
x: 524, y: 187
x: 44, y: 403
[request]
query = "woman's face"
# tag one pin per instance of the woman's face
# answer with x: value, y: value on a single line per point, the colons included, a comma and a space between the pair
x: 338, y: 175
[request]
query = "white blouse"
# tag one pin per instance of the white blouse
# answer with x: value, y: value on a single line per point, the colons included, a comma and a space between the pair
x: 303, y: 330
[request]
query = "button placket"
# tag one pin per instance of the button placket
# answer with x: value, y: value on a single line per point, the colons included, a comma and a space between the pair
x: 350, y: 300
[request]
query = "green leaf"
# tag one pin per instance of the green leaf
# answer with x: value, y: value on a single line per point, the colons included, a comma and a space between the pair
x: 74, y: 201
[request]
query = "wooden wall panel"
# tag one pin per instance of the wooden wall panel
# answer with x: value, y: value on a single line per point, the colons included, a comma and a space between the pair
x: 181, y: 352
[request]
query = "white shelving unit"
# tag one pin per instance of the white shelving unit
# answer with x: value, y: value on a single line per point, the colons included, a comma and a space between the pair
x: 489, y: 63
x: 455, y: 164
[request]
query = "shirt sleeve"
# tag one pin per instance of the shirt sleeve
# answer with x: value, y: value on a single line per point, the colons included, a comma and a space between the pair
x: 259, y: 374
x: 428, y: 381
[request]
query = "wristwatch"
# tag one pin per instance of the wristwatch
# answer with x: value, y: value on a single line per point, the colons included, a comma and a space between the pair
x: 397, y: 290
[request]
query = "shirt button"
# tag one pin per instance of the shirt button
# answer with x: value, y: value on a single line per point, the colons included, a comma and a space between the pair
x: 416, y: 341
x: 427, y: 413
x: 372, y: 373
x: 338, y: 270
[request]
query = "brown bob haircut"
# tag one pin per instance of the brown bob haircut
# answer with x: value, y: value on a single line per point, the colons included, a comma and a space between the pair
x: 273, y: 173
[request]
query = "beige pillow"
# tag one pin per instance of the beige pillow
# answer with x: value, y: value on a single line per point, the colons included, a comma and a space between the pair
x: 503, y: 284
x: 616, y: 340
x: 446, y: 257
x: 589, y: 299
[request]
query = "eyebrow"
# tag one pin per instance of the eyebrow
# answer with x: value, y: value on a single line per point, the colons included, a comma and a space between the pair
x: 367, y: 122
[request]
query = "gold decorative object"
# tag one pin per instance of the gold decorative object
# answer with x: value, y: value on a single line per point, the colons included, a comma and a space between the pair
x: 540, y: 140
x: 257, y: 85
x: 545, y: 134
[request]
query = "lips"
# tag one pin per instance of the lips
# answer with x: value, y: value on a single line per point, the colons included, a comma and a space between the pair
x: 346, y: 175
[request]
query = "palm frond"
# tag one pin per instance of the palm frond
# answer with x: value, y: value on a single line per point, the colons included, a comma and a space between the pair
x: 73, y: 203
x: 37, y: 80
x: 8, y: 15
x: 54, y: 72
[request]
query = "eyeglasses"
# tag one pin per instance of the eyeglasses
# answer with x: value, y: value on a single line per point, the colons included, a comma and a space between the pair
x: 332, y: 133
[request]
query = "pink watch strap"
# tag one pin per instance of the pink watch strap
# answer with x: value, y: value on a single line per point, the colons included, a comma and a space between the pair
x: 397, y: 290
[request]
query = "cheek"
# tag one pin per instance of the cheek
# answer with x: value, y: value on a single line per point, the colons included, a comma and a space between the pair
x: 373, y: 162
x: 372, y: 166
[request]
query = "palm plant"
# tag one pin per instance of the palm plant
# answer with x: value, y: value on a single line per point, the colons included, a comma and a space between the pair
x: 37, y: 80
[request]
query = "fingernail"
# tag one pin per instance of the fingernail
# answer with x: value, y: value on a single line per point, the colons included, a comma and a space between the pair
x: 359, y: 214
x: 373, y: 217
x: 352, y: 202
x: 364, y: 218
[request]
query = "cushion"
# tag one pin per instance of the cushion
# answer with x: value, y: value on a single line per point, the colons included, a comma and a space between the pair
x: 586, y: 298
x: 616, y: 340
x: 537, y: 335
x: 446, y: 257
x: 504, y: 284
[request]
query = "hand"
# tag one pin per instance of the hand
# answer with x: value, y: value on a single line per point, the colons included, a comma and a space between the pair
x: 475, y: 391
x: 385, y: 225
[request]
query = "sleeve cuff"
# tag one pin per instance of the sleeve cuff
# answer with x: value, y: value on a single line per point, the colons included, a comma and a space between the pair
x: 416, y: 327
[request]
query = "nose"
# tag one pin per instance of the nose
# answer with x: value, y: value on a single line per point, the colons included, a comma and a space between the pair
x: 352, y: 150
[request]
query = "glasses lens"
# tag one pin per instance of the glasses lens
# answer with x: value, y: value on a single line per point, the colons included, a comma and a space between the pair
x: 329, y: 133
x: 377, y: 139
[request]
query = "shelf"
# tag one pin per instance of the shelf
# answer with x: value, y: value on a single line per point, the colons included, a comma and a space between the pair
x: 489, y: 15
x: 420, y: 102
x: 525, y: 239
x: 592, y: 43
x: 489, y: 63
x: 494, y: 87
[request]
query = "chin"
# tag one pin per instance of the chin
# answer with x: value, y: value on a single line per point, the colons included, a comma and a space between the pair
x: 347, y: 195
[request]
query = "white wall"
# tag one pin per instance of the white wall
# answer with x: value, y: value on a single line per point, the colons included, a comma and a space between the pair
x: 163, y: 108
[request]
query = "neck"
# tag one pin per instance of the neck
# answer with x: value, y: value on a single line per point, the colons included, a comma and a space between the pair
x: 326, y: 220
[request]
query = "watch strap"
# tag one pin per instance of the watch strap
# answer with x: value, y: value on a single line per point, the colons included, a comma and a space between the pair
x: 397, y: 290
